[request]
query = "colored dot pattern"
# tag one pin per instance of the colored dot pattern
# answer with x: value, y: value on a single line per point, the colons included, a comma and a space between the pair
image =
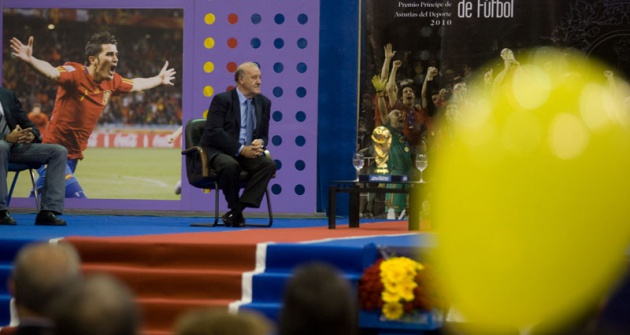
x: 280, y: 37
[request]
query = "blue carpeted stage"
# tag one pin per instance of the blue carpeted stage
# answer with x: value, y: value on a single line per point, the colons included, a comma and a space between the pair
x: 126, y: 241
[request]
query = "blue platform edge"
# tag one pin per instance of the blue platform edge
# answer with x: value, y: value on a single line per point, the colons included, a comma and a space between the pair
x: 351, y: 257
x: 421, y: 321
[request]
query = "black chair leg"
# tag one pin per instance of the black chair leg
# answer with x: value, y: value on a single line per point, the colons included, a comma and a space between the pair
x: 37, y: 200
x: 10, y: 194
x: 268, y: 210
x: 216, y: 211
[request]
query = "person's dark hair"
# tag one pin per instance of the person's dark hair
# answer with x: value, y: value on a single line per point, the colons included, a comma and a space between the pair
x: 94, y: 45
x: 410, y: 85
x: 318, y: 300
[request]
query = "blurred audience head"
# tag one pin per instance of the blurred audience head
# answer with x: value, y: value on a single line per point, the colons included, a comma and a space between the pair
x: 101, y: 305
x: 318, y: 300
x: 215, y: 321
x: 41, y: 272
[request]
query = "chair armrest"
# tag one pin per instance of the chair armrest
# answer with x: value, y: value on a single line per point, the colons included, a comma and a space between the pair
x: 205, y: 166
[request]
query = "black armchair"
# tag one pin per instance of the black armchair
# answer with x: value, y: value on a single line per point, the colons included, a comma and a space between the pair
x: 201, y: 175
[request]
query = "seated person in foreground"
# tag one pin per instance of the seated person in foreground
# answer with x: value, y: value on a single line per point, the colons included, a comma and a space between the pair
x: 20, y: 142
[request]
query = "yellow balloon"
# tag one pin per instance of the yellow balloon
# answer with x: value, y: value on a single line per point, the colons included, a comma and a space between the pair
x: 530, y: 192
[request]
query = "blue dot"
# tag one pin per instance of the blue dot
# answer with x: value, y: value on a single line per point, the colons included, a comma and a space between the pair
x: 300, y: 116
x: 278, y: 43
x: 277, y: 92
x: 300, y: 165
x: 276, y: 140
x: 276, y: 189
x: 301, y: 92
x: 277, y: 116
x: 256, y: 18
x: 300, y: 141
x: 279, y: 18
x: 301, y: 67
x: 302, y: 18
x: 278, y: 164
x: 299, y: 189
x: 278, y: 67
x: 302, y: 43
x: 255, y: 43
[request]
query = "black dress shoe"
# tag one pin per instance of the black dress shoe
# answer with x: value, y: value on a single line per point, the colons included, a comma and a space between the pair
x: 234, y: 219
x: 48, y: 218
x: 6, y: 219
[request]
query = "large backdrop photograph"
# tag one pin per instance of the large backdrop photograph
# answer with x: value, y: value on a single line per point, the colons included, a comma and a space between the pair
x: 418, y: 59
x: 133, y: 152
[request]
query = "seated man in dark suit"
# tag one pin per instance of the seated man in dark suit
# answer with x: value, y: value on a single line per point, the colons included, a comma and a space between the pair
x: 235, y: 135
x: 20, y: 142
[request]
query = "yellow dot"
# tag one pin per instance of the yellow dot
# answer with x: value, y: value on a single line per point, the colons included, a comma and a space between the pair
x: 205, y: 114
x: 208, y: 67
x: 209, y: 43
x: 209, y: 18
x: 208, y: 91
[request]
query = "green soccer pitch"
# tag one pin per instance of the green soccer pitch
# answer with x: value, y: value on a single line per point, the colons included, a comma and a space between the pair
x: 122, y: 173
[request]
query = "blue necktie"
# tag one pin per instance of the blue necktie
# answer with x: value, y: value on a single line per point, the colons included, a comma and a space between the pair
x: 249, y: 122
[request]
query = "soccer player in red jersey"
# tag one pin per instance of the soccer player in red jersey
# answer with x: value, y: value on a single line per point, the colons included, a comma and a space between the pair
x: 83, y: 91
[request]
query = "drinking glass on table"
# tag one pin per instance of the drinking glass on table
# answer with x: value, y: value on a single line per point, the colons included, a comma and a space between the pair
x: 421, y: 164
x: 358, y: 161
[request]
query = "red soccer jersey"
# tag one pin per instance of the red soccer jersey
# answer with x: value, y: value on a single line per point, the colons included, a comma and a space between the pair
x: 78, y: 106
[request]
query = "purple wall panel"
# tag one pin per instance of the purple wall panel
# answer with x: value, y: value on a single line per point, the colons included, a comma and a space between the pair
x: 281, y: 36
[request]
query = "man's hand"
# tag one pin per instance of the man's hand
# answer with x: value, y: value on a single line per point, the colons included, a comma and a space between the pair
x: 431, y: 73
x: 417, y: 68
x: 254, y: 150
x: 166, y: 75
x: 21, y: 51
x: 19, y: 135
x: 389, y: 53
x: 397, y: 63
x: 379, y: 84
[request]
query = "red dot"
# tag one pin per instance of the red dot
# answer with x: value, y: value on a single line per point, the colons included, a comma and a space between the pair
x: 231, y: 87
x: 232, y: 43
x: 232, y: 18
x: 231, y: 67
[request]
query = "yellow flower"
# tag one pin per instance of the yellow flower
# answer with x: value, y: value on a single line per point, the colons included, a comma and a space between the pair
x: 405, y: 289
x: 394, y: 275
x: 392, y: 310
x: 390, y: 296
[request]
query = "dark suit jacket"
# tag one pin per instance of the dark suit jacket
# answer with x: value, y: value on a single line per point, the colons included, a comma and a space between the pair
x: 223, y: 123
x: 14, y: 115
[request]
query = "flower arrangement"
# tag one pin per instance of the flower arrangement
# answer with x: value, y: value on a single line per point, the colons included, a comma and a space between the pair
x: 398, y: 287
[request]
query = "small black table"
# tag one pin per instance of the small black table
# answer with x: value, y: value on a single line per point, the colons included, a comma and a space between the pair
x: 356, y: 187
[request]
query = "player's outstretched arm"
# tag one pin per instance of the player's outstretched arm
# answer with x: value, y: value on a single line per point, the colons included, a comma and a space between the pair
x: 25, y: 53
x: 165, y: 77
